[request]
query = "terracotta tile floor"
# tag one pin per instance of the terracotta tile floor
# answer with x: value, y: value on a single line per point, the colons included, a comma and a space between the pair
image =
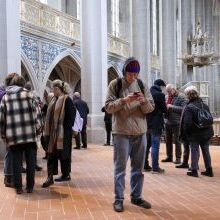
x: 89, y: 194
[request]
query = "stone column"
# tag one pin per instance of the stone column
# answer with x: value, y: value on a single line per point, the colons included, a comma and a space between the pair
x: 141, y: 36
x: 10, y: 52
x: 186, y: 32
x: 168, y: 40
x: 10, y: 38
x: 94, y: 63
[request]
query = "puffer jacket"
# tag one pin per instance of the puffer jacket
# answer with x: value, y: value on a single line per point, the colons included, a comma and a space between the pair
x: 174, y: 111
x: 128, y: 119
x: 189, y: 130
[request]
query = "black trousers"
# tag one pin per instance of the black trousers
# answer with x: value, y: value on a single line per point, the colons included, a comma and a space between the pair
x: 83, y: 135
x: 108, y: 129
x: 30, y: 150
x: 186, y: 152
x: 172, y: 136
x: 52, y: 164
x: 146, y: 164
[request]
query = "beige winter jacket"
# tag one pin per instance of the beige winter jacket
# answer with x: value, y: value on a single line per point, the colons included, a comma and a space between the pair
x: 128, y: 119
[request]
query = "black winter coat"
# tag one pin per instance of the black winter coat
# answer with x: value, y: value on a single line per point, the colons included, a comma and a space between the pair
x: 189, y: 131
x: 83, y: 109
x: 155, y: 119
x: 107, y: 117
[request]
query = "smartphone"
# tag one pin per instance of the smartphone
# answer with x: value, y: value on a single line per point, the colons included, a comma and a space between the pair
x: 137, y: 93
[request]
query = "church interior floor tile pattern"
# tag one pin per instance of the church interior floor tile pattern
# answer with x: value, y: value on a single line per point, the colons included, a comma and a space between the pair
x: 89, y: 194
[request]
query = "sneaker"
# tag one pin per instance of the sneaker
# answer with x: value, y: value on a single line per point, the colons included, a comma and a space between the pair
x: 193, y: 173
x: 158, y: 171
x: 147, y: 168
x: 167, y: 160
x: 183, y: 165
x: 118, y: 206
x: 63, y: 178
x: 141, y: 202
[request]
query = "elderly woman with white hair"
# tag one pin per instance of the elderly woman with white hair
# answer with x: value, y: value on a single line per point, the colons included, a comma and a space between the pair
x: 198, y: 134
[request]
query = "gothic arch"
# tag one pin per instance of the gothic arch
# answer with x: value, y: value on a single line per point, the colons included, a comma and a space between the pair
x: 30, y: 71
x: 62, y: 55
x: 112, y: 73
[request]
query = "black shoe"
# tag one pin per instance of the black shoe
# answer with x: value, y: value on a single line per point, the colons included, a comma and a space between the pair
x: 84, y: 146
x: 8, y: 181
x: 45, y: 157
x: 177, y: 161
x: 193, y: 173
x: 183, y: 165
x: 158, y: 171
x: 77, y: 148
x: 118, y: 206
x: 107, y: 144
x: 148, y: 168
x: 63, y: 178
x: 141, y: 202
x: 23, y: 170
x: 19, y: 190
x: 38, y: 168
x: 167, y: 160
x: 49, y: 181
x: 208, y: 172
x: 29, y: 190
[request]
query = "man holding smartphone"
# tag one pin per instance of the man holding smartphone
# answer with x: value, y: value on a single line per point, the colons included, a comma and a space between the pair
x: 129, y: 132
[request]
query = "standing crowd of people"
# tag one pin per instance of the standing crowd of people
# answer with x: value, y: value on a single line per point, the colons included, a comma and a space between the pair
x: 135, y: 118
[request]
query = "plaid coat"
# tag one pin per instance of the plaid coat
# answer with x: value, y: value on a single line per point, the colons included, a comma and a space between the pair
x: 20, y: 118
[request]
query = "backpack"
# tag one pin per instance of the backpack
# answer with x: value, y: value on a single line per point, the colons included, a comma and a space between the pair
x: 204, y: 117
x: 119, y: 86
x: 78, y: 123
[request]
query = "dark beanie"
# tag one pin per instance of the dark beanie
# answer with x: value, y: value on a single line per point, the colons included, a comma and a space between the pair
x: 131, y: 65
x: 159, y: 82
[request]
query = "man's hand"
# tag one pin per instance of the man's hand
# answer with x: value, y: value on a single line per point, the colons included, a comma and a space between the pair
x: 130, y: 98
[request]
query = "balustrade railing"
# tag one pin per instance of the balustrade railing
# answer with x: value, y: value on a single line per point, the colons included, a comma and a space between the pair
x: 48, y: 19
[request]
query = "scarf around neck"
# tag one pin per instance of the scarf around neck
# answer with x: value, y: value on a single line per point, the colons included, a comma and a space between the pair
x: 54, y: 123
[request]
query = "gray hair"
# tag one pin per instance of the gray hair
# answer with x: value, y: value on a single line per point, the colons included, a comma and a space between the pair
x: 76, y: 94
x: 191, y: 92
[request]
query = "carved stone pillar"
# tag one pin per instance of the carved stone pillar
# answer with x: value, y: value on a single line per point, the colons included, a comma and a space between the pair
x: 10, y: 40
x: 168, y: 40
x: 94, y: 63
x: 141, y: 36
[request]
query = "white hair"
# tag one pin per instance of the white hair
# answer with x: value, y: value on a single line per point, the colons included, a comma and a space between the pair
x: 190, y: 89
x: 170, y: 86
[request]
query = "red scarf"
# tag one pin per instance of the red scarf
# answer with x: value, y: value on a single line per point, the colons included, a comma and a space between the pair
x: 169, y: 100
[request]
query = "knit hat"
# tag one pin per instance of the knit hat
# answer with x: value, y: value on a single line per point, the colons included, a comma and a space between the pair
x: 131, y: 65
x: 159, y: 82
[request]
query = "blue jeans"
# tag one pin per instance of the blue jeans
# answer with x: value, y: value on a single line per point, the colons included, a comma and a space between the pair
x: 135, y: 147
x: 155, y: 146
x: 8, y: 162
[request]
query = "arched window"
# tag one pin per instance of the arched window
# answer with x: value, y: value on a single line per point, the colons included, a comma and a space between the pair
x: 115, y: 17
